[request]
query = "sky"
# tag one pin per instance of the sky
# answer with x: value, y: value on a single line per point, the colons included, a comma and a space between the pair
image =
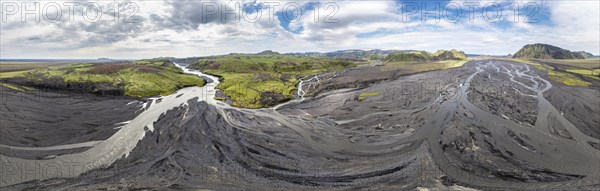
x: 148, y: 29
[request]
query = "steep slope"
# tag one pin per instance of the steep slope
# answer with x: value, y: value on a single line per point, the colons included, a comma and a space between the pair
x: 584, y: 54
x: 449, y: 55
x: 546, y: 51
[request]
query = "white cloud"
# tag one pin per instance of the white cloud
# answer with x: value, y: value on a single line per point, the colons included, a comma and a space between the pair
x: 165, y: 29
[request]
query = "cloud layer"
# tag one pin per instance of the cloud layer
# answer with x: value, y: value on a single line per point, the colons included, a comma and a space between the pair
x: 142, y: 29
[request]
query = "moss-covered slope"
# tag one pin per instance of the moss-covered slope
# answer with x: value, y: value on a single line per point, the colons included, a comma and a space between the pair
x: 265, y: 79
x: 136, y: 79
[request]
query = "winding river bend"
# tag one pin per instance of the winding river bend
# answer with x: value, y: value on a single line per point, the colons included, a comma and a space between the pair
x: 106, y: 152
x: 359, y: 157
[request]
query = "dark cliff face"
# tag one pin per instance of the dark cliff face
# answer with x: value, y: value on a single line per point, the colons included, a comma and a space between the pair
x: 546, y: 51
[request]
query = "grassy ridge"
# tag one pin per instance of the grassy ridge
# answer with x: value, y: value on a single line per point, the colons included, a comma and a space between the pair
x: 424, y: 56
x: 423, y: 61
x: 419, y: 56
x: 263, y: 80
x: 138, y: 79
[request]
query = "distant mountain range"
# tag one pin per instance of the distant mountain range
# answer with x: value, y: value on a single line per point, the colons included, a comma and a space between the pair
x: 352, y: 53
x: 537, y: 51
x: 546, y: 51
x: 376, y: 55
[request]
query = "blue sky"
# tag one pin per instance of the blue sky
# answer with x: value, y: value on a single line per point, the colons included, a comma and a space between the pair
x: 197, y: 28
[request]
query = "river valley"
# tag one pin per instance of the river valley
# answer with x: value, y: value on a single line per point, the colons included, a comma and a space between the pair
x: 489, y: 125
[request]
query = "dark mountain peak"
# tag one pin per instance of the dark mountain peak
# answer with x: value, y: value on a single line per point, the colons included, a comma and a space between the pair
x: 268, y: 52
x: 546, y: 51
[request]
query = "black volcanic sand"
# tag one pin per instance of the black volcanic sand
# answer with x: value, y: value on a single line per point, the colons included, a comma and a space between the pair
x: 50, y: 118
x: 416, y: 133
x: 204, y: 151
x: 39, y: 154
x: 580, y: 105
x: 493, y: 92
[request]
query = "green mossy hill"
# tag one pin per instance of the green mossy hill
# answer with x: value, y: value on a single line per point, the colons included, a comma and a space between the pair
x: 424, y: 56
x: 449, y: 55
x: 265, y: 79
x: 270, y: 63
x: 546, y: 51
x: 419, y: 56
x: 139, y: 79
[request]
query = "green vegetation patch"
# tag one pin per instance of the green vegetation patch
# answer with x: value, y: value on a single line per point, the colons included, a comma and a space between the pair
x: 567, y: 79
x: 13, y: 74
x: 264, y: 80
x: 423, y: 61
x: 16, y: 87
x: 449, y: 55
x: 138, y: 79
x: 364, y: 95
x: 419, y: 56
x: 594, y: 74
x: 20, y: 66
x: 554, y: 75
